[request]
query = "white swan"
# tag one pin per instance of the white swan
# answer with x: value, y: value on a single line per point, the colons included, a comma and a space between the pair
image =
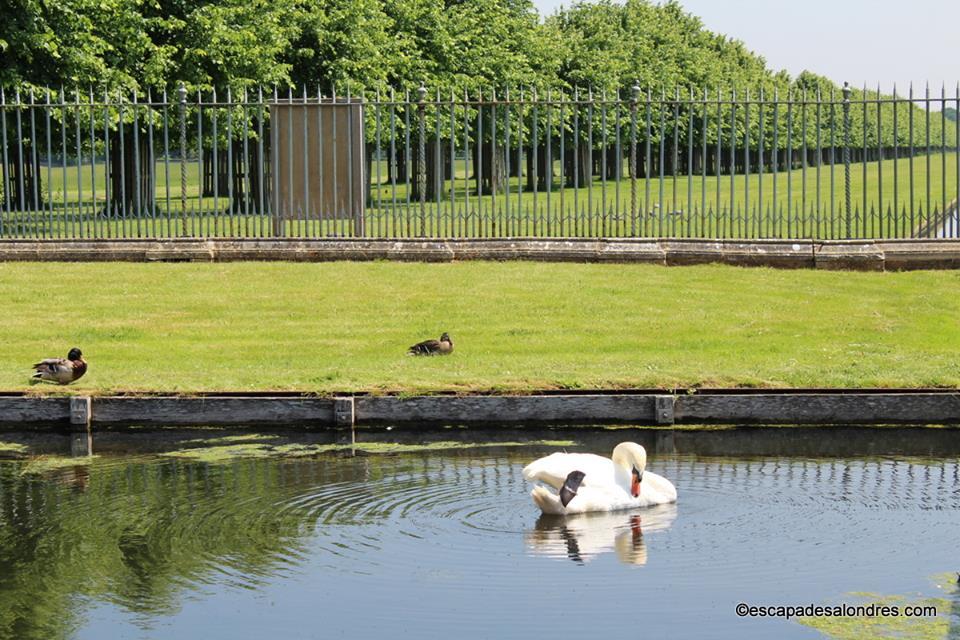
x: 586, y: 482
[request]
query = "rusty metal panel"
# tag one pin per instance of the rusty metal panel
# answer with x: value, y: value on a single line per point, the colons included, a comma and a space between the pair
x: 319, y: 160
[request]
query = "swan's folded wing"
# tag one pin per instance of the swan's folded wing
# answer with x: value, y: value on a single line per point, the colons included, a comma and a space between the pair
x: 658, y: 489
x: 553, y: 470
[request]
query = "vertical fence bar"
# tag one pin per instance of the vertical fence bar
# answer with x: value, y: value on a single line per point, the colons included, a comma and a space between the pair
x: 563, y: 165
x: 108, y: 186
x: 863, y: 230
x: 136, y: 168
x: 775, y: 153
x: 122, y: 153
x: 879, y: 157
x: 818, y: 219
x: 731, y: 224
x: 356, y: 212
x: 522, y: 217
x: 846, y: 159
x: 202, y: 221
x: 634, y: 99
x: 745, y: 227
x: 35, y: 214
x: 576, y: 161
x: 183, y: 159
x: 833, y: 163
x: 675, y: 161
x: 69, y: 216
x: 93, y: 162
x: 718, y: 164
x: 703, y: 163
x: 789, y: 169
x: 588, y: 165
x: 261, y: 176
x: 896, y: 163
x: 662, y: 162
x: 6, y: 163
x: 603, y: 163
x: 689, y: 213
x: 618, y: 167
x: 305, y: 158
x: 46, y: 113
x: 467, y: 215
x: 79, y: 158
x: 452, y: 222
x: 151, y: 196
x: 647, y: 160
x: 927, y: 152
x: 479, y: 164
x: 421, y: 164
x: 508, y: 220
x: 21, y: 193
x: 166, y: 157
x: 943, y: 155
x: 803, y: 164
x: 218, y: 226
x: 408, y: 171
x: 396, y: 228
x: 278, y: 224
x: 910, y: 110
x: 548, y: 178
x: 535, y: 159
x: 231, y: 222
x: 763, y: 218
x: 245, y: 178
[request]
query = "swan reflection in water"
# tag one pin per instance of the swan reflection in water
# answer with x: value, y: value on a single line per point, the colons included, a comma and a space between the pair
x: 583, y: 537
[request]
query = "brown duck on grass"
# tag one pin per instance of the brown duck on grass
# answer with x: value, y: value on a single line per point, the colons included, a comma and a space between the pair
x: 443, y: 346
x: 60, y: 370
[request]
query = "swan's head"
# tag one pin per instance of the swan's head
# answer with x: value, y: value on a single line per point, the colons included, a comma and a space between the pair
x: 633, y: 457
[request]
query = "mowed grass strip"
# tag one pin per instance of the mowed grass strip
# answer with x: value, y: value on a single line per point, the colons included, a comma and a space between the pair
x: 517, y: 326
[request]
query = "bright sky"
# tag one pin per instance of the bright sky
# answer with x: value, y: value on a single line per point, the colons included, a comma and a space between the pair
x: 859, y: 41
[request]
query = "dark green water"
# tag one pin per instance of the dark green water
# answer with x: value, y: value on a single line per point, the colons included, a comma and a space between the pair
x: 446, y: 543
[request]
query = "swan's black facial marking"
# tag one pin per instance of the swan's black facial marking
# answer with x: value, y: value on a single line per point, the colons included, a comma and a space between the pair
x: 570, y: 486
x: 635, y: 482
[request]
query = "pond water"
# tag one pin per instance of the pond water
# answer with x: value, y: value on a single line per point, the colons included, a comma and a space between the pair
x: 285, y: 535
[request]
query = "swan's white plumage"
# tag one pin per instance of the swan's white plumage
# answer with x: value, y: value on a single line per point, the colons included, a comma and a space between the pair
x: 605, y: 485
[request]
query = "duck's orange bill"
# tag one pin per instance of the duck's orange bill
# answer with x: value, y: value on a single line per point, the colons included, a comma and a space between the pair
x: 635, y: 485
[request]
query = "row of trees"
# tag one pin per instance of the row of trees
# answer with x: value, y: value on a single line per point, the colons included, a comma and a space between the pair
x: 467, y: 44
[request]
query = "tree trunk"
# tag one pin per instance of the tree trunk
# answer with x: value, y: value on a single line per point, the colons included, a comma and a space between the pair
x: 23, y: 179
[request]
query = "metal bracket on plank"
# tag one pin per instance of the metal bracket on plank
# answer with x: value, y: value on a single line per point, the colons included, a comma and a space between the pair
x: 663, y: 409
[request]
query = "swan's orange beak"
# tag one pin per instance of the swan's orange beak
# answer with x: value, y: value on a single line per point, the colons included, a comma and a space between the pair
x: 635, y: 483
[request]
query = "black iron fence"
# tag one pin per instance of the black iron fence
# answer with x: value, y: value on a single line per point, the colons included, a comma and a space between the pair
x: 707, y: 164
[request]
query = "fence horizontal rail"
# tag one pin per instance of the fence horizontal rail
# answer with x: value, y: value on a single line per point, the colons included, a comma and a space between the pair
x: 305, y: 164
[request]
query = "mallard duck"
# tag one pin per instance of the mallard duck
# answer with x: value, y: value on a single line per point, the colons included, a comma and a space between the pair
x: 443, y: 346
x: 61, y: 370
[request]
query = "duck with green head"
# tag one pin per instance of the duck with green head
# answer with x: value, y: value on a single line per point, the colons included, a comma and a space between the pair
x: 60, y: 370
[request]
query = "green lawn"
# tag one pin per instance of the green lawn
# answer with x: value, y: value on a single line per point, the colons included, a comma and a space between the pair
x: 517, y: 326
x: 804, y: 206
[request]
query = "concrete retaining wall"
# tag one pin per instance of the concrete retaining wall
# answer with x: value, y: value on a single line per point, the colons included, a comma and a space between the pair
x: 347, y: 412
x: 867, y: 255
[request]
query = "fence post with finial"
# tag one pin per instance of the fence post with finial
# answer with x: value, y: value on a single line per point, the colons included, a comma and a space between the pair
x: 182, y: 91
x: 422, y: 157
